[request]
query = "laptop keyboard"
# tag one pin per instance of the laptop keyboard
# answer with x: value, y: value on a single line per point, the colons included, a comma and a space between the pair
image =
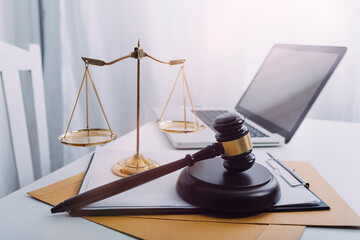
x: 208, y: 117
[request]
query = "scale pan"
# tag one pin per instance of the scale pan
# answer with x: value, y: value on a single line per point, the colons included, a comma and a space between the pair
x: 88, y: 137
x: 179, y: 126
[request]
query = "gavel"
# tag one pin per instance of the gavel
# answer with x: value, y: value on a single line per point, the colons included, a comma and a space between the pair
x: 237, y: 186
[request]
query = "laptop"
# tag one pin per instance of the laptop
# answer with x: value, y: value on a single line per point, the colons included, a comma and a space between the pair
x: 278, y: 98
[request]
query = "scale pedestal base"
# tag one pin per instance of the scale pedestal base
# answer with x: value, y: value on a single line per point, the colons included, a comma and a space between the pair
x: 209, y: 185
x: 135, y: 164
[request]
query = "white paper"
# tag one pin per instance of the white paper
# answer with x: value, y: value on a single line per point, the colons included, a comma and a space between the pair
x: 160, y: 193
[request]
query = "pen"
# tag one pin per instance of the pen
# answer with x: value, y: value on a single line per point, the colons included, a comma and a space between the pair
x: 292, y: 172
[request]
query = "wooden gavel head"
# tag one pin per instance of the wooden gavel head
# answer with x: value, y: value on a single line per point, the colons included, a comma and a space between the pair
x: 234, y: 137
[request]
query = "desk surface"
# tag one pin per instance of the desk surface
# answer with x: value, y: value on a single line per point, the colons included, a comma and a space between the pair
x: 332, y: 148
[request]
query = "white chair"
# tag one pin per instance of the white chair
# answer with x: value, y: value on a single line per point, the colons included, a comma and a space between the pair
x: 12, y: 61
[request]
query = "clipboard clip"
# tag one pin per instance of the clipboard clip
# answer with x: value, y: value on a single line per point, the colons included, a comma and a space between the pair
x: 302, y: 182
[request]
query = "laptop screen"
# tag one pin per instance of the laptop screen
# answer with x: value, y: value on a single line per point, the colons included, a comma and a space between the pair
x: 287, y: 84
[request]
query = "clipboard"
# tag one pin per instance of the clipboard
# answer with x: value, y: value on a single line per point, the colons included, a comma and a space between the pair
x: 180, y: 208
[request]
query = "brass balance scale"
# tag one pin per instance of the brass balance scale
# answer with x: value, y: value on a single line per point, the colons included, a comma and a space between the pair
x: 96, y: 136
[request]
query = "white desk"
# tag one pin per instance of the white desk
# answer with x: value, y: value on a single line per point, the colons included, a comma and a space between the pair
x: 332, y: 147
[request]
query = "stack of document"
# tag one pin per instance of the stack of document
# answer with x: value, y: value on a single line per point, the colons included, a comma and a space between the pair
x: 160, y: 196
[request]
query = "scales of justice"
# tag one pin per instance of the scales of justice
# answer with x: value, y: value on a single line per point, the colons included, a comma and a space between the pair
x: 95, y: 136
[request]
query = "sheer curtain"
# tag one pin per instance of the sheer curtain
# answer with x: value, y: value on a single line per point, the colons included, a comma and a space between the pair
x: 103, y: 30
x: 224, y: 44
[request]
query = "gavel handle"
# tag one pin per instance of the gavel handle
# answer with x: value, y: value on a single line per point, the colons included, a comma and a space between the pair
x: 133, y: 181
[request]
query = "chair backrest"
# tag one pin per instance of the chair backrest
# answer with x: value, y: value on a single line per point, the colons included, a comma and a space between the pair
x: 14, y: 60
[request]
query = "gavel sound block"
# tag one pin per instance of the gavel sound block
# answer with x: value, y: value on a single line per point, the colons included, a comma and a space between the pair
x: 237, y: 184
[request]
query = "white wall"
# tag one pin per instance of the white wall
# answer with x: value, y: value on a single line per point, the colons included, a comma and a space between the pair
x: 104, y: 30
x: 226, y: 41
